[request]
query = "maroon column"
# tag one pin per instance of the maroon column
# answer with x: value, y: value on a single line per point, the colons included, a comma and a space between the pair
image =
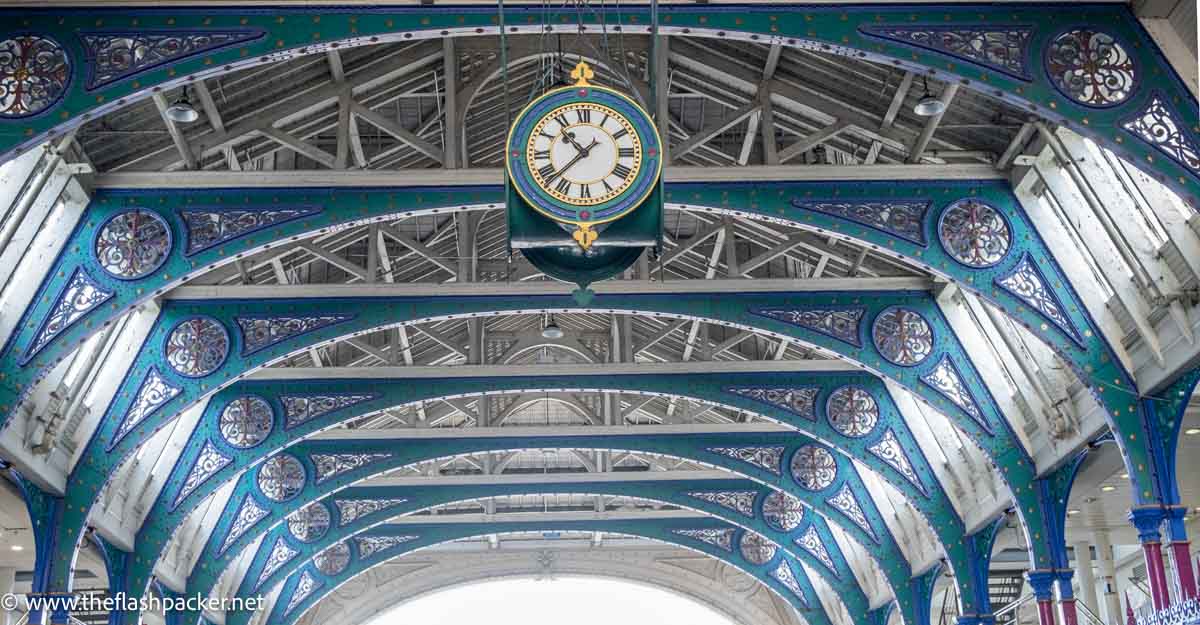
x: 1180, y: 552
x: 1148, y: 520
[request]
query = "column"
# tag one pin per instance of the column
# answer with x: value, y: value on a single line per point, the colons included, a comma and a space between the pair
x: 1148, y: 520
x: 1181, y: 558
x: 1108, y: 573
x: 1042, y: 583
x: 1066, y: 596
x: 1087, y: 580
x: 8, y: 578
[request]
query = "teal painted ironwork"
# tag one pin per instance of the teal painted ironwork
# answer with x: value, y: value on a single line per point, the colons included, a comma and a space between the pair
x: 1132, y: 101
x: 857, y: 211
x: 1165, y: 411
x: 735, y: 309
x: 327, y: 465
x: 791, y: 583
x: 417, y: 498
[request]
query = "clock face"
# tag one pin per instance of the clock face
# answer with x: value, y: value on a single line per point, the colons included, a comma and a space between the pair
x: 584, y: 153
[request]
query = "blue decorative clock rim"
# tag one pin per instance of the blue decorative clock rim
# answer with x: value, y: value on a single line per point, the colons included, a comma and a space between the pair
x: 601, y: 213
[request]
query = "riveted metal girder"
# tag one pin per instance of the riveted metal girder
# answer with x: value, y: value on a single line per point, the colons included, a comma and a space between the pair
x: 1041, y: 67
x: 783, y: 315
x: 357, y: 509
x: 921, y: 223
x: 783, y: 574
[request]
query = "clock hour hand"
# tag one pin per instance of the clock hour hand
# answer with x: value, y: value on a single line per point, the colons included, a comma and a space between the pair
x: 569, y: 137
x: 579, y: 156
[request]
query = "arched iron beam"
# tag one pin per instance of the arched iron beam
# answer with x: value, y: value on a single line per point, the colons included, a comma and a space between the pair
x: 801, y: 595
x: 899, y: 35
x: 331, y: 465
x: 898, y: 219
x: 992, y: 431
x: 821, y: 555
x: 302, y: 407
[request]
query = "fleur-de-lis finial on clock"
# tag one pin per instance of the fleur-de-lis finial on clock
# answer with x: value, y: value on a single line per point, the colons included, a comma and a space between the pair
x: 582, y: 74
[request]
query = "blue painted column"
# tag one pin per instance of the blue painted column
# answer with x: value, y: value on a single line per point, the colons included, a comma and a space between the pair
x: 1148, y: 520
x: 1181, y: 553
x: 1042, y: 582
x: 976, y: 619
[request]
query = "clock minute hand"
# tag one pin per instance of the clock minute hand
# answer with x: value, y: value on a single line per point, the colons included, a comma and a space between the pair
x: 578, y: 157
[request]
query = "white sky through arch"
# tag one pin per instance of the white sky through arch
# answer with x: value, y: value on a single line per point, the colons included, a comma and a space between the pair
x: 577, y: 600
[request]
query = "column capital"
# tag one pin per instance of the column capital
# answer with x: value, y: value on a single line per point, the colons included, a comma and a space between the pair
x: 1065, y: 591
x: 1042, y: 582
x: 1148, y: 520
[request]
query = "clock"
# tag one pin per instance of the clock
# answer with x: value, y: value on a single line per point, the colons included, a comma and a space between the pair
x: 583, y: 156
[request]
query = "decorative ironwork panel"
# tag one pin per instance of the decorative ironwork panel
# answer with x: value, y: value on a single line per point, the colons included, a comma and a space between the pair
x: 210, y: 228
x: 902, y: 336
x: 721, y: 538
x: 769, y: 458
x: 1004, y: 48
x: 944, y: 379
x: 206, y: 465
x: 300, y: 409
x: 904, y: 219
x: 81, y: 296
x: 281, y: 554
x: 814, y: 468
x: 350, y: 510
x: 249, y: 514
x: 786, y: 576
x: 974, y: 233
x: 782, y: 511
x: 888, y: 449
x: 852, y: 411
x: 840, y: 323
x: 113, y: 55
x: 811, y: 542
x: 1159, y: 125
x: 154, y: 392
x: 303, y: 590
x: 281, y: 477
x: 334, y: 559
x: 247, y: 421
x: 371, y: 545
x: 846, y: 503
x: 1091, y: 67
x: 332, y: 465
x: 197, y: 347
x: 741, y: 501
x: 133, y: 244
x: 34, y: 73
x: 755, y: 548
x: 1025, y: 281
x: 259, y: 333
x: 800, y: 401
x: 309, y: 523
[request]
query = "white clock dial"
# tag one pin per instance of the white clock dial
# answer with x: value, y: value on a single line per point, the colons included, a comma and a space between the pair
x: 584, y: 154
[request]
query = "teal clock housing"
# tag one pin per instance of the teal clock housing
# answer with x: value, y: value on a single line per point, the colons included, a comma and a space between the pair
x: 579, y: 240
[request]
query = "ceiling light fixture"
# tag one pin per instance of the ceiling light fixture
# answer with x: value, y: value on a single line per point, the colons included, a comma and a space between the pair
x: 181, y: 111
x: 1072, y: 511
x: 1192, y: 431
x: 18, y: 548
x: 928, y: 105
x: 1124, y: 476
x: 1108, y: 488
x: 551, y: 331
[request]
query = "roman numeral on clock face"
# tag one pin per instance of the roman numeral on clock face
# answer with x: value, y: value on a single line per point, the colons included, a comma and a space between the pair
x: 562, y: 120
x: 621, y: 171
x: 547, y: 171
x: 624, y: 152
x: 620, y: 133
x: 539, y: 154
x: 585, y: 116
x: 585, y: 191
x: 563, y: 186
